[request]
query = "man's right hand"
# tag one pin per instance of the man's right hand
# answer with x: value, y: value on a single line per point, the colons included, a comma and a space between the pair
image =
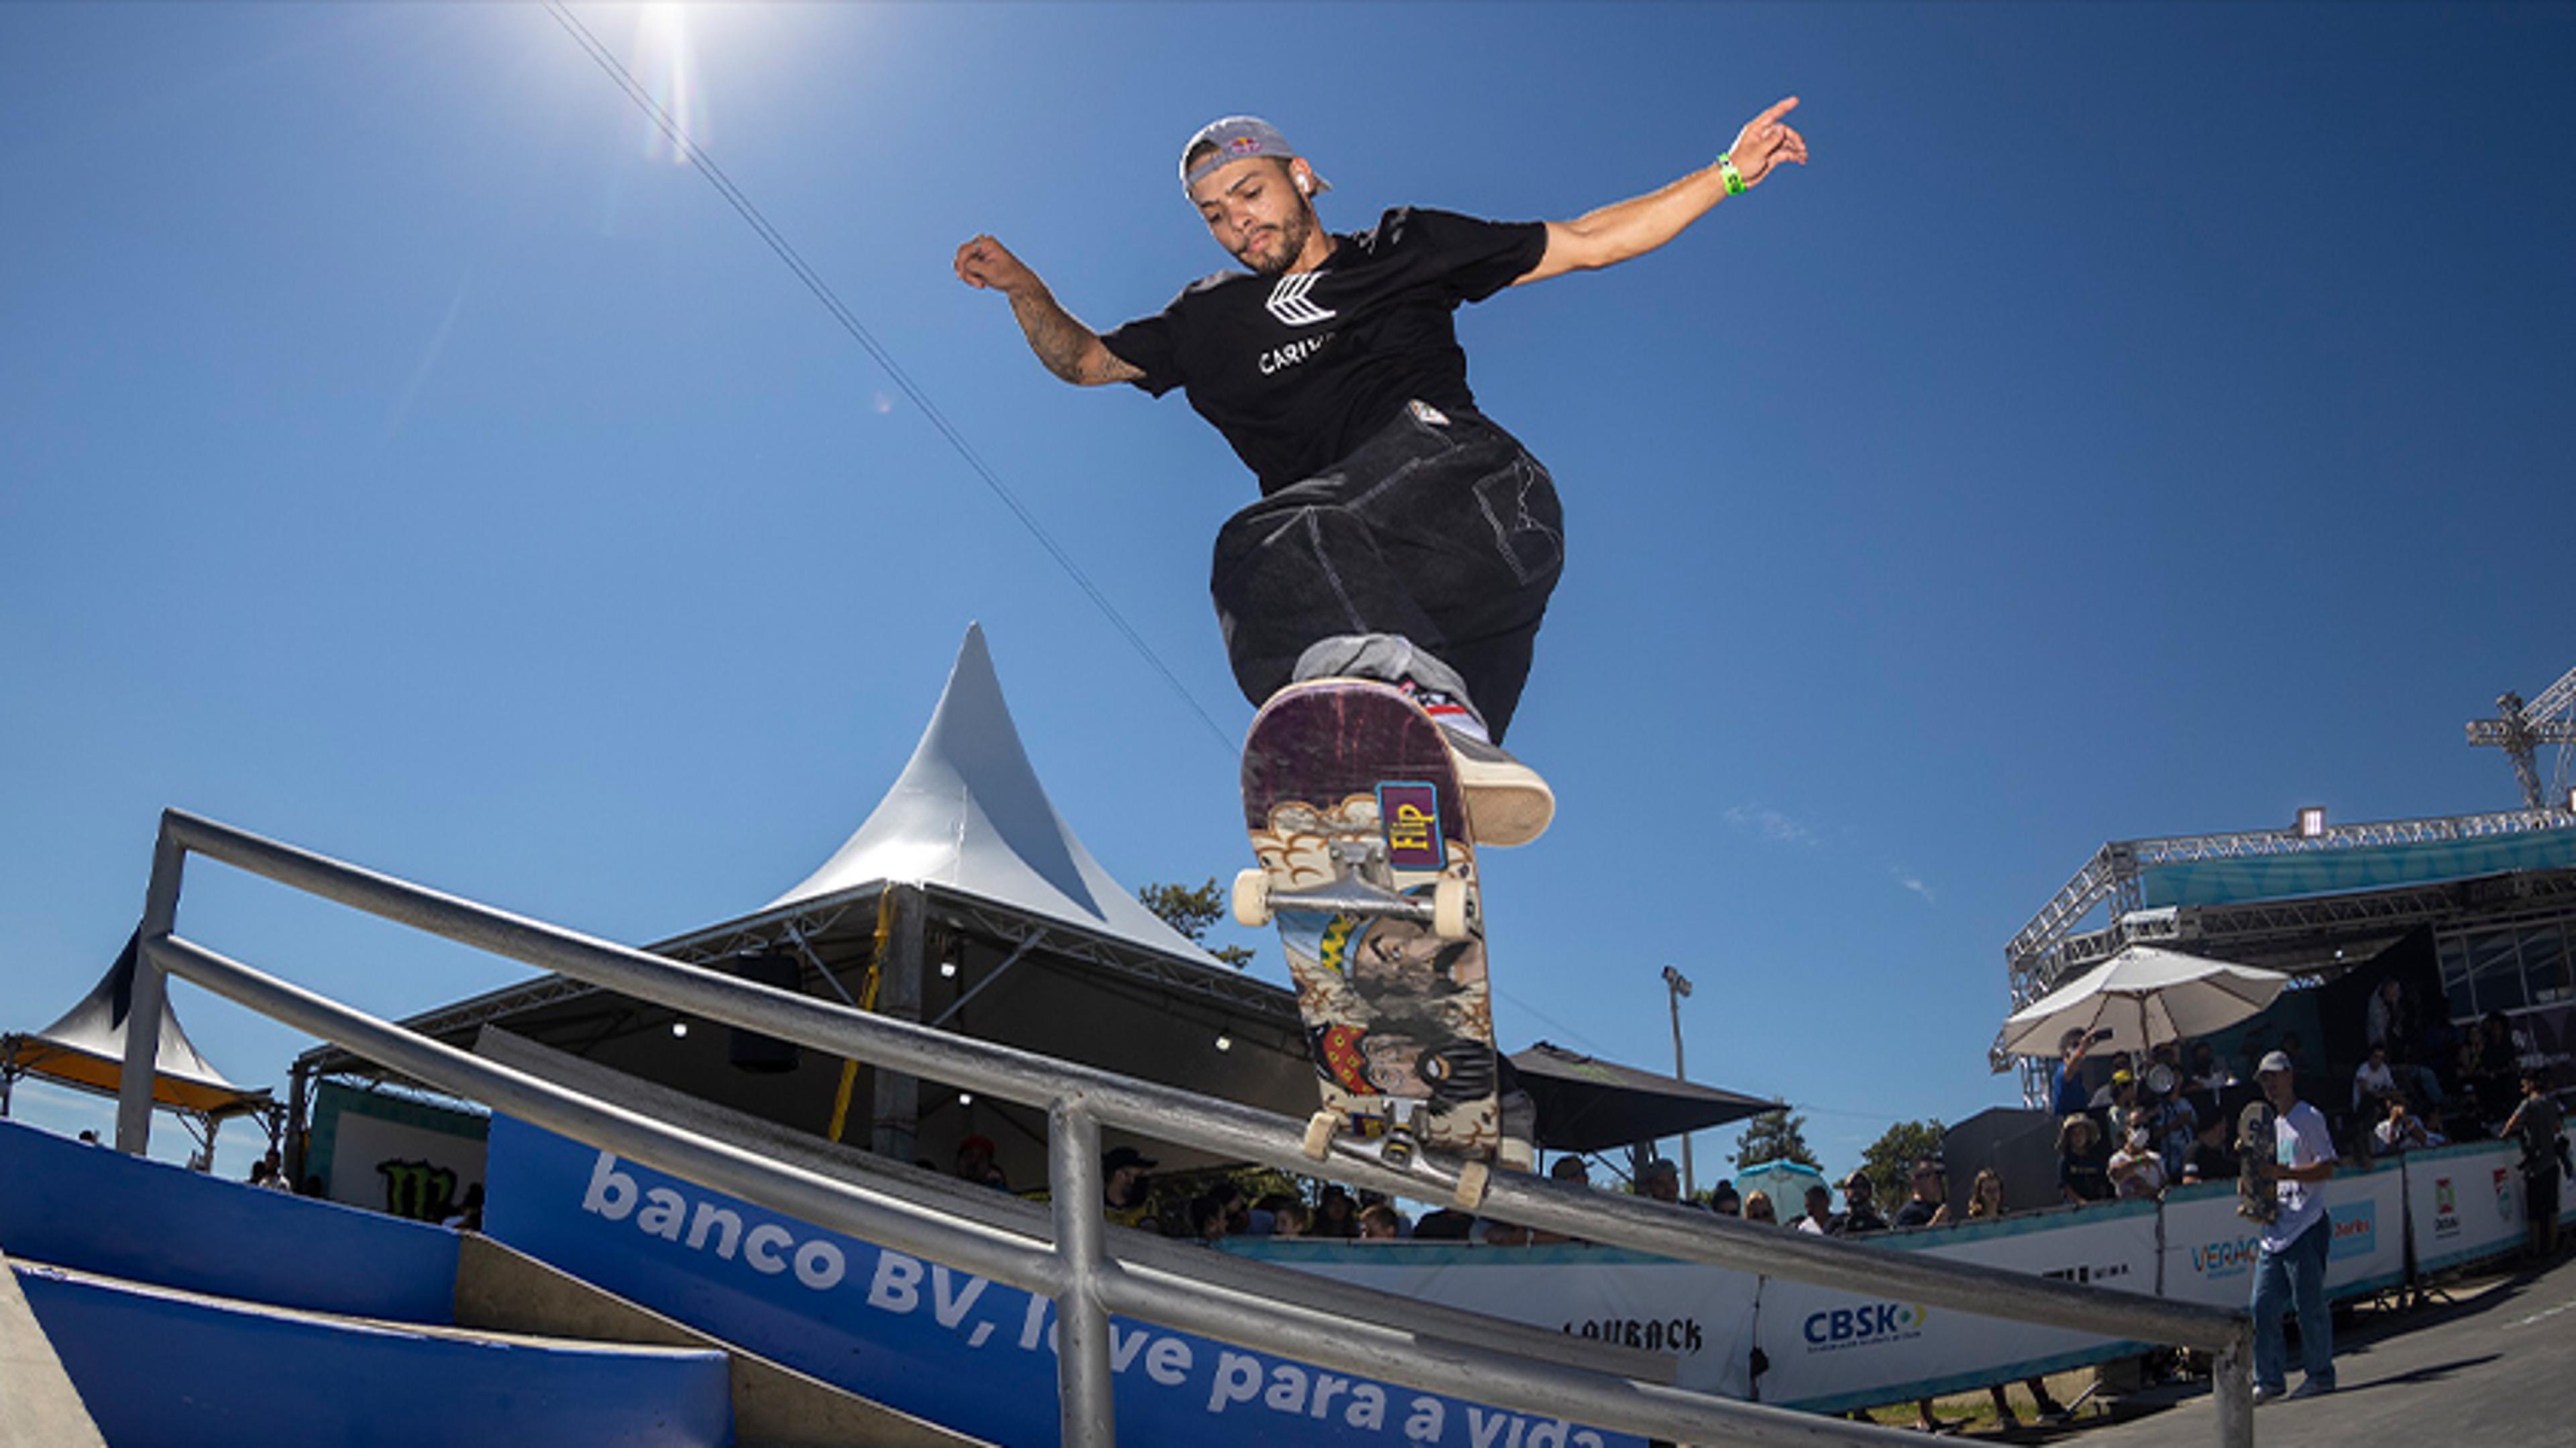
x: 986, y: 264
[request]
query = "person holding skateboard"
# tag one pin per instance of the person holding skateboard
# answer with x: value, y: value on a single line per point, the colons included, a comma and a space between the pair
x: 2290, y: 1270
x: 1400, y: 535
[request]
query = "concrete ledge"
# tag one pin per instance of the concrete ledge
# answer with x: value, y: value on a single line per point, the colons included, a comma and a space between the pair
x: 44, y: 1409
x: 502, y: 1289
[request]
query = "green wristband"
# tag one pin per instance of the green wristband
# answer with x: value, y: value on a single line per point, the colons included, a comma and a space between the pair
x: 1734, y: 179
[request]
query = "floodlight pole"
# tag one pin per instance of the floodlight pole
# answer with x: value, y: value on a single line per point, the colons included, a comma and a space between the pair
x: 1677, y: 985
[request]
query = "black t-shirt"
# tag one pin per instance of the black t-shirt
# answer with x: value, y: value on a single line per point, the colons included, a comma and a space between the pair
x: 1860, y: 1219
x: 2087, y: 1174
x: 1297, y: 371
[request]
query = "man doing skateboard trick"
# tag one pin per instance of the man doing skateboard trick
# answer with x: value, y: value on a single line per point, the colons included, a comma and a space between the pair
x: 1400, y: 535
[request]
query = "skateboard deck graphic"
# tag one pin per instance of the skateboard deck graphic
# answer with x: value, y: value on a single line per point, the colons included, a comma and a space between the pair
x: 2258, y: 1197
x: 1353, y: 806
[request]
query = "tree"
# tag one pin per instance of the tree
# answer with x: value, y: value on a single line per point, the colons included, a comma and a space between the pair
x: 1191, y: 911
x: 1774, y: 1136
x: 1890, y: 1160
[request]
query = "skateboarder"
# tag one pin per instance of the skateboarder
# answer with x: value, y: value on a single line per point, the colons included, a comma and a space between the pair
x: 1400, y: 535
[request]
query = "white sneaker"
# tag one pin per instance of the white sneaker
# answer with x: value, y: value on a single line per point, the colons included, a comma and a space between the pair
x: 1507, y: 802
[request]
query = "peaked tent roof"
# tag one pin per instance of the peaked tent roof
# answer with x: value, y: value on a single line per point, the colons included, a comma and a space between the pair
x: 969, y: 815
x: 86, y: 1049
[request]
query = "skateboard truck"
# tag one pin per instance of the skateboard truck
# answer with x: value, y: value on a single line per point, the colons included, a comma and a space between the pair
x: 1400, y: 1149
x: 1446, y: 912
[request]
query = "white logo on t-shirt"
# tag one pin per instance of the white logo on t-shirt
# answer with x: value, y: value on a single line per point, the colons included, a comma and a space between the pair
x: 1288, y: 300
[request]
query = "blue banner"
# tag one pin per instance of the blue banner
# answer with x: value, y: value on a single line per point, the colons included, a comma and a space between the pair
x: 928, y: 1339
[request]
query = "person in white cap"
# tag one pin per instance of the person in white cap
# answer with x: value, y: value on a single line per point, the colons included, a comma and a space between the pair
x: 1400, y: 535
x: 2290, y: 1271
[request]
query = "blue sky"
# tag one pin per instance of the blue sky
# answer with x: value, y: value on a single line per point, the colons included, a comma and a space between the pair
x: 2138, y: 420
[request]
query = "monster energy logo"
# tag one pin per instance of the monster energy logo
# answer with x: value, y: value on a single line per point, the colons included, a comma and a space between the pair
x: 418, y: 1190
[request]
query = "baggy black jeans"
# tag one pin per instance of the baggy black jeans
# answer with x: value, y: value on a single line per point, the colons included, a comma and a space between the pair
x: 1441, y: 528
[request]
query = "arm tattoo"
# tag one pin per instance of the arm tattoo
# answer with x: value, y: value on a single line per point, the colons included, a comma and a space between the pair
x: 1069, y: 349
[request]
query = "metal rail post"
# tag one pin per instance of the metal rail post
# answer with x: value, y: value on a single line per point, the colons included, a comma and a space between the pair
x: 1083, y: 1406
x: 2231, y: 1388
x: 144, y: 998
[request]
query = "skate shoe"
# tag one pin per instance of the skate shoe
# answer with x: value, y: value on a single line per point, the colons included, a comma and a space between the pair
x: 1507, y: 802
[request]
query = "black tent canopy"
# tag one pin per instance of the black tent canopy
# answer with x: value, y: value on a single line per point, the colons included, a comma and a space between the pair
x: 1587, y: 1104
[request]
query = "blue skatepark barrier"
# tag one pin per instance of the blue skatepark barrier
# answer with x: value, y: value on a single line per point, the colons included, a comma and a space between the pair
x: 70, y: 1204
x: 217, y: 1370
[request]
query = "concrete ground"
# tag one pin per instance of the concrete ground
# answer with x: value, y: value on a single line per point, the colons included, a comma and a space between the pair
x: 39, y: 1407
x: 2494, y: 1364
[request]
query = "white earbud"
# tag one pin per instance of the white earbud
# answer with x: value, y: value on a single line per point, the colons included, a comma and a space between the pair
x: 1305, y: 187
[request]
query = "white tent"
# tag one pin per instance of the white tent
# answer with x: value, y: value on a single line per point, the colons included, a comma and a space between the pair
x: 1018, y: 935
x: 968, y: 815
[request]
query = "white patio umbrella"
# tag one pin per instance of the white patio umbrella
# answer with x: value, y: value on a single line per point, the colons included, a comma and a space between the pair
x: 2143, y: 996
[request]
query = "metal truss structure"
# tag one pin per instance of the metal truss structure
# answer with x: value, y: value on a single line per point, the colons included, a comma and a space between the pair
x: 2519, y: 730
x: 2313, y: 935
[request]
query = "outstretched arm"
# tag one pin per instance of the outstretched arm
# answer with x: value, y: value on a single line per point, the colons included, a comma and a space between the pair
x: 1069, y: 349
x: 1638, y: 225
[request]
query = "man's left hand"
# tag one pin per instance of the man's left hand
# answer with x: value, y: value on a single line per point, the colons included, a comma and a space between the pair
x: 1765, y: 142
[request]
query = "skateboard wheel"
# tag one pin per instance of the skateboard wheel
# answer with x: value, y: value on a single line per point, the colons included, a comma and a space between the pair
x: 1321, y: 1128
x: 1449, y: 908
x: 1252, y: 899
x: 1473, y: 1178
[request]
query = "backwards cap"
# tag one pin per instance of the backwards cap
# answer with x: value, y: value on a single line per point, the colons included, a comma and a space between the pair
x: 1235, y: 138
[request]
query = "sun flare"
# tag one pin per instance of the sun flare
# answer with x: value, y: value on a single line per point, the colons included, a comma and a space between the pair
x: 666, y: 64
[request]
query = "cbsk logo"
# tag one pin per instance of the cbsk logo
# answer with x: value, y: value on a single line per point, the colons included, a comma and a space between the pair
x: 1289, y: 304
x: 1861, y: 1326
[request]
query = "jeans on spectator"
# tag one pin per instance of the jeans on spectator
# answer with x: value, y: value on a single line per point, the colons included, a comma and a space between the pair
x: 1440, y: 529
x: 2294, y: 1277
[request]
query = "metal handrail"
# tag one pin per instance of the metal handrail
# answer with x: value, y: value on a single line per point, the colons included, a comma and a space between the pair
x: 1079, y: 1099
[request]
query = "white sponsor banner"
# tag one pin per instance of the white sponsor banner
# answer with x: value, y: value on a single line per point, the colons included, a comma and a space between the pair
x: 1702, y: 1315
x: 1827, y: 1349
x: 2210, y: 1248
x: 2368, y: 1209
x: 2465, y: 1201
x: 394, y: 1154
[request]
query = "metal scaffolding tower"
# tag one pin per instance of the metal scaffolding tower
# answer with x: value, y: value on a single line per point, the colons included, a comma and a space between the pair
x: 2056, y: 945
x: 2519, y: 730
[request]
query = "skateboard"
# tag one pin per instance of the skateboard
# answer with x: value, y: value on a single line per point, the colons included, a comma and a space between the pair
x: 1367, y: 867
x: 2258, y: 1197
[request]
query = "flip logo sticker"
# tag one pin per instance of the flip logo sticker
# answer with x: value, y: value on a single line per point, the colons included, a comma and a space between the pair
x: 1409, y: 812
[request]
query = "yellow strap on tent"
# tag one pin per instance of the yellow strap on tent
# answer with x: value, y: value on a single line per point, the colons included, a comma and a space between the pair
x: 867, y: 1002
